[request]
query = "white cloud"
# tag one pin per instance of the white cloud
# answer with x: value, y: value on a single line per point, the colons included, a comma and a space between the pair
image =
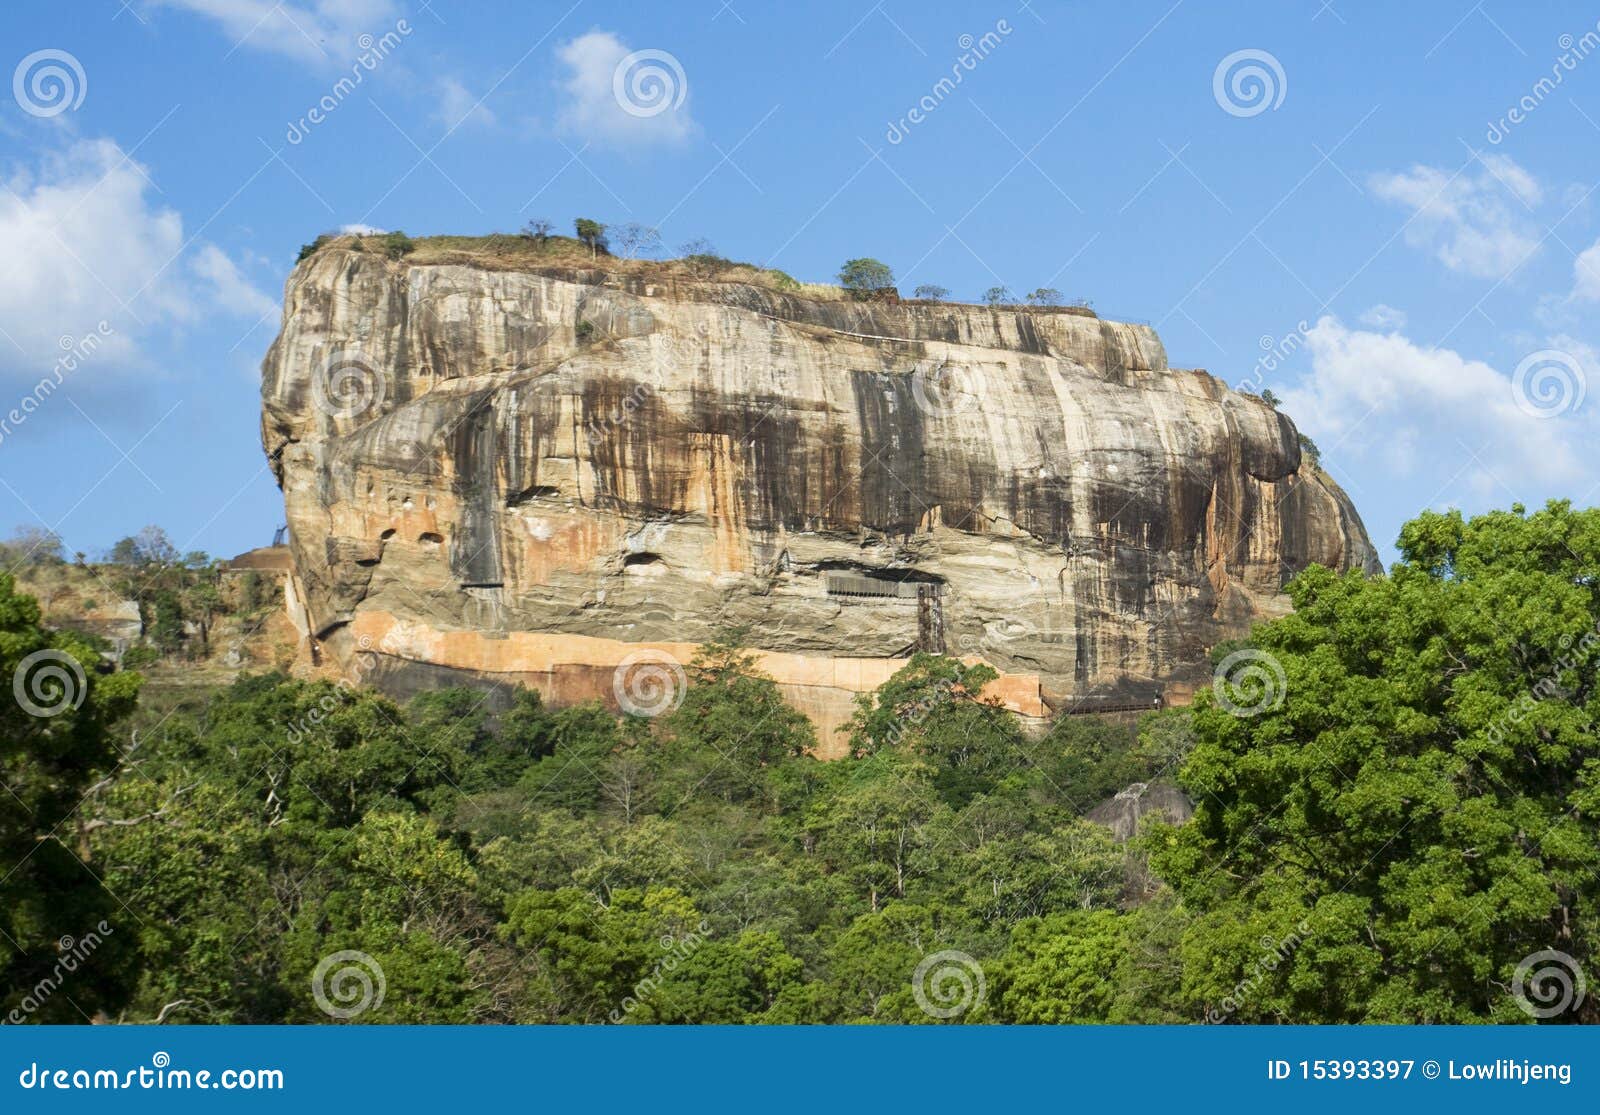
x: 84, y: 243
x: 362, y: 230
x: 1383, y: 316
x: 315, y: 31
x: 1586, y: 274
x: 230, y: 288
x: 1475, y: 221
x: 620, y: 96
x: 1381, y: 393
x: 458, y: 107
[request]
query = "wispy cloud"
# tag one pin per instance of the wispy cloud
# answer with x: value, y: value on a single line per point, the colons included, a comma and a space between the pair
x: 1475, y: 222
x: 460, y: 107
x: 313, y: 31
x: 1384, y: 316
x: 1383, y: 395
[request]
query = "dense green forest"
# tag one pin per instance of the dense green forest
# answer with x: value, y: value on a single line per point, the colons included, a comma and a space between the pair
x: 1394, y: 821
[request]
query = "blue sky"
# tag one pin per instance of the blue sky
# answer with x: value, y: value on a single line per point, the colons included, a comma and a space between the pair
x: 1359, y: 223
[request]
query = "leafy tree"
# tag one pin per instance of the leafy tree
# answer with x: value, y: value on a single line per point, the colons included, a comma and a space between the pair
x: 1082, y: 760
x: 1063, y: 969
x: 396, y: 244
x: 252, y: 592
x: 592, y: 233
x: 593, y: 962
x: 732, y: 727
x: 871, y: 965
x: 1074, y: 866
x: 150, y: 546
x: 166, y: 628
x: 933, y: 708
x: 1045, y: 296
x: 1404, y: 811
x: 60, y: 746
x: 723, y: 982
x: 998, y: 296
x: 866, y: 278
x: 311, y: 249
x: 538, y: 230
x: 874, y: 831
x: 1268, y: 397
x: 1309, y: 450
x: 931, y: 292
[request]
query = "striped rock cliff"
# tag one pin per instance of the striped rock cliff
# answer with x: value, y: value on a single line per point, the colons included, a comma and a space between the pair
x: 540, y: 476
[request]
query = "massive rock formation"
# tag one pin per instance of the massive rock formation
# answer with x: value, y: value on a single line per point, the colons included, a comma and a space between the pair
x: 531, y: 476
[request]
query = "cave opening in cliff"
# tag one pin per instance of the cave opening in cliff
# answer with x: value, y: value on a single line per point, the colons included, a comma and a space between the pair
x: 644, y: 564
x: 537, y: 491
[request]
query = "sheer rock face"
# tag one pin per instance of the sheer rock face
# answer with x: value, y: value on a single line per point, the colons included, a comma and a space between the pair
x: 510, y: 474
